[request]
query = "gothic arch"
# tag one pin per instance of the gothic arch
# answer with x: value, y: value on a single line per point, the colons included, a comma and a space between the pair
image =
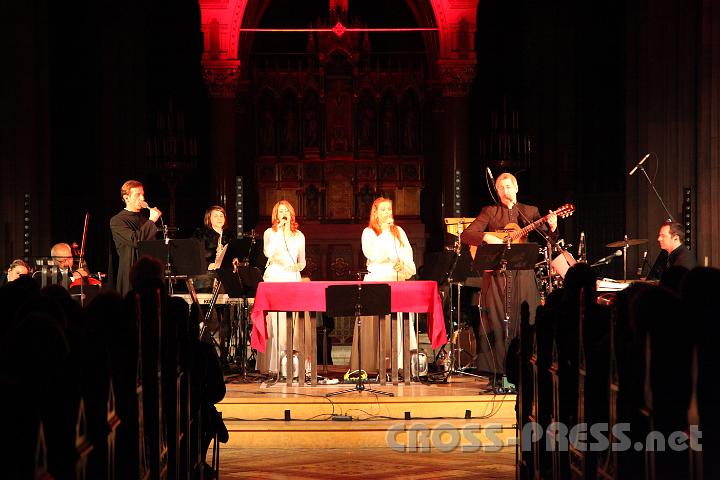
x: 446, y: 15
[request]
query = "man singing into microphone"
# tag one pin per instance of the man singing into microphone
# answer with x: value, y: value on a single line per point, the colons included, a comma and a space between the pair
x: 130, y: 227
x: 520, y: 284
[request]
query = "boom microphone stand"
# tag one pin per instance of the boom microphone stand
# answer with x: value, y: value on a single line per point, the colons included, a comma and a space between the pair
x: 641, y: 167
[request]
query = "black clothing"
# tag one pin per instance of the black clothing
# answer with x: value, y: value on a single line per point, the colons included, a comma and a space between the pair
x: 520, y: 282
x: 680, y: 257
x: 128, y: 228
x: 209, y: 240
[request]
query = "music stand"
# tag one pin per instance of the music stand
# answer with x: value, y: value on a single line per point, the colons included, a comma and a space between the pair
x: 505, y: 257
x: 240, y: 280
x: 184, y: 257
x: 356, y: 300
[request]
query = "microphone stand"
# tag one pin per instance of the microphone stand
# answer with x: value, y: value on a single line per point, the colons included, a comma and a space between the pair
x: 168, y: 263
x: 642, y: 168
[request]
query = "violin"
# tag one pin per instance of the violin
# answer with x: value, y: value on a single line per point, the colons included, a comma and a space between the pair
x: 84, y: 278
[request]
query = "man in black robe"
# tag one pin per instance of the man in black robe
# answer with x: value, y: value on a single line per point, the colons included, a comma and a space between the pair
x: 130, y: 227
x: 521, y: 283
x: 673, y: 253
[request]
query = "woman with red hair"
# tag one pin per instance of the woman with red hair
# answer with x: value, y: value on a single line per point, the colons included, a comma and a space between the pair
x: 389, y: 259
x: 284, y: 247
x: 386, y: 246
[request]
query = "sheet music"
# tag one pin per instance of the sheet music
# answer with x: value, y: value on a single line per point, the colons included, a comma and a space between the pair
x: 610, y: 285
x: 219, y: 258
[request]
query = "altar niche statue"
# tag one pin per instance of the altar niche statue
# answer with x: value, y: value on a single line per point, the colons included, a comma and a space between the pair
x: 366, y: 137
x: 267, y: 132
x: 410, y: 130
x: 311, y: 128
x: 388, y: 130
x: 311, y: 120
x: 289, y: 136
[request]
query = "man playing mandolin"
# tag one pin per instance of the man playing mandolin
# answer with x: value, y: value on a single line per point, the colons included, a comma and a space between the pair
x: 496, y: 224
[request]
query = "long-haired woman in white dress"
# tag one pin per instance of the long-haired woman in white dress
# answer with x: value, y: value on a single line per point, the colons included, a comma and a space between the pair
x: 389, y: 259
x: 284, y: 247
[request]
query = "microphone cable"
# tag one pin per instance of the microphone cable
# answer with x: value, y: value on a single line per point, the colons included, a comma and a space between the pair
x: 397, y: 255
x: 287, y: 247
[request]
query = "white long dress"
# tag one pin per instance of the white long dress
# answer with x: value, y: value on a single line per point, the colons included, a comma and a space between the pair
x: 382, y: 252
x: 283, y: 253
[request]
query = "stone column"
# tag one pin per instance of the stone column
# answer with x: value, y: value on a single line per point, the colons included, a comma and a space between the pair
x: 455, y: 78
x: 222, y: 80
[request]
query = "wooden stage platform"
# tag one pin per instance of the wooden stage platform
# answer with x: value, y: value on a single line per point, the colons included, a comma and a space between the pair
x: 420, y: 417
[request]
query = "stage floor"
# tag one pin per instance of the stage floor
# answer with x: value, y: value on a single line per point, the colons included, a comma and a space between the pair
x: 272, y: 415
x: 364, y: 464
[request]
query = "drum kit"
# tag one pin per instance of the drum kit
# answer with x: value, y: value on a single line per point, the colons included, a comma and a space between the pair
x: 463, y: 349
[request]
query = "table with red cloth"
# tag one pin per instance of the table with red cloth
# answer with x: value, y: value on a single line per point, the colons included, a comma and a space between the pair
x: 409, y: 296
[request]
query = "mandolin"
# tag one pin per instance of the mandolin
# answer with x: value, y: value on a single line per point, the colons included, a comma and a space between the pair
x: 513, y: 233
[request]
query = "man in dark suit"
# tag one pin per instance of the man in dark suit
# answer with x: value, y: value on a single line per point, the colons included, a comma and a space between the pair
x: 520, y: 284
x: 673, y: 252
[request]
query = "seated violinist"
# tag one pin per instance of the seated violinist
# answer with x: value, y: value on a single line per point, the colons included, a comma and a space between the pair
x: 63, y: 259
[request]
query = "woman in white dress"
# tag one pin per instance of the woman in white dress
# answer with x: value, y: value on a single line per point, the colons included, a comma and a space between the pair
x: 389, y: 259
x: 284, y: 247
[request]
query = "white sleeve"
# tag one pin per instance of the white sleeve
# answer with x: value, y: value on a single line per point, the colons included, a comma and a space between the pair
x: 406, y: 255
x: 301, y: 251
x: 275, y: 249
x: 267, y: 243
x: 373, y: 246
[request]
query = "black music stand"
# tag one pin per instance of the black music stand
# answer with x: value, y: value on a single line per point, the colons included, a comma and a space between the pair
x: 240, y: 280
x: 504, y: 257
x: 183, y: 257
x: 356, y: 300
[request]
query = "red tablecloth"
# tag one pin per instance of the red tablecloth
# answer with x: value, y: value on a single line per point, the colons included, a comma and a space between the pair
x: 411, y: 296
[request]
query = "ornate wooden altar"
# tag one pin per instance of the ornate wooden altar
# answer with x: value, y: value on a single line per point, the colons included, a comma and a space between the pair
x: 336, y: 127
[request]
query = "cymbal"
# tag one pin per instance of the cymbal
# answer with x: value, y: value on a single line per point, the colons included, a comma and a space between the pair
x: 629, y: 242
x: 457, y: 220
x: 452, y: 224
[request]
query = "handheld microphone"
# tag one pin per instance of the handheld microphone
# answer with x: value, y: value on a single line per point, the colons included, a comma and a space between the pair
x: 144, y: 204
x: 608, y: 259
x: 581, y: 247
x: 639, y: 164
x: 642, y: 264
